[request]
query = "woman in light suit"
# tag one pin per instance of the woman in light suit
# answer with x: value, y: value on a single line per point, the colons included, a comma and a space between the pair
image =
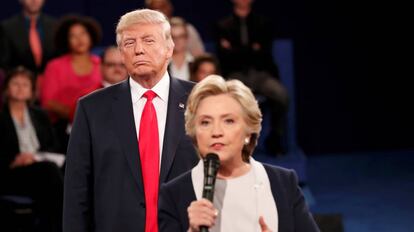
x: 223, y: 117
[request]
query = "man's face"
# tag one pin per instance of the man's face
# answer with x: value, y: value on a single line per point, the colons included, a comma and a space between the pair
x: 163, y: 6
x: 145, y: 51
x: 242, y: 3
x: 32, y: 6
x: 113, y: 69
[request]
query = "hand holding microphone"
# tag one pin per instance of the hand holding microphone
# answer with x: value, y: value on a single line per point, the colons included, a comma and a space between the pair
x: 201, y: 213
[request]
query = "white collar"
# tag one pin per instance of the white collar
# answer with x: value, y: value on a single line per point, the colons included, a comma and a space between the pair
x: 262, y: 185
x: 161, y: 88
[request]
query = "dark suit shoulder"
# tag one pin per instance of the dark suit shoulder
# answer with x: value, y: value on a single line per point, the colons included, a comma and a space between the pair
x: 284, y: 176
x: 180, y: 181
x: 48, y: 18
x: 11, y: 22
x: 187, y: 85
x: 104, y: 94
x: 38, y: 111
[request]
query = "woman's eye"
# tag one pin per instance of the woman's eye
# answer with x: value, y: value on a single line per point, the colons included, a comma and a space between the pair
x: 229, y: 121
x: 204, y: 122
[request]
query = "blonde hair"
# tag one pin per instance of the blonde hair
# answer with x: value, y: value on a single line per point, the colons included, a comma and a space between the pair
x: 214, y: 85
x: 144, y: 16
x: 179, y: 22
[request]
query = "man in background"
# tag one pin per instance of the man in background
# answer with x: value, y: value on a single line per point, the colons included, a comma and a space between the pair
x: 112, y: 68
x: 27, y: 38
x: 244, y: 46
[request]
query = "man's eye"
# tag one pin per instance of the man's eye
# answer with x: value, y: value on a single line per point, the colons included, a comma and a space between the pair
x: 128, y: 43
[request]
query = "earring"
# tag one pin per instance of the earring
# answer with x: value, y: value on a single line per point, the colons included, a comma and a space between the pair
x: 246, y: 140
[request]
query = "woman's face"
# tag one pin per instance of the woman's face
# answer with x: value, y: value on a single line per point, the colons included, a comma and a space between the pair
x: 220, y: 128
x: 19, y: 88
x: 79, y: 39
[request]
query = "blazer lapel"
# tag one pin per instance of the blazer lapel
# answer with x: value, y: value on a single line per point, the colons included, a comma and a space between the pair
x: 125, y: 128
x: 173, y: 127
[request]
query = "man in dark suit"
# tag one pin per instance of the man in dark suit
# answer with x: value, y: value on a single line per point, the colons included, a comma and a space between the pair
x: 128, y: 138
x: 27, y: 38
x: 244, y: 48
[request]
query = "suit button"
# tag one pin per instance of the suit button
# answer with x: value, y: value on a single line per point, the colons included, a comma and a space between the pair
x: 142, y: 204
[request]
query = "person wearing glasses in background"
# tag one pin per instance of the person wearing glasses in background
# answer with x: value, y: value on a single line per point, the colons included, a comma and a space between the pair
x: 112, y: 68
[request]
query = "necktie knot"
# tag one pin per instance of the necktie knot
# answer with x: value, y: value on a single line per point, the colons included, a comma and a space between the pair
x: 32, y: 22
x: 149, y: 95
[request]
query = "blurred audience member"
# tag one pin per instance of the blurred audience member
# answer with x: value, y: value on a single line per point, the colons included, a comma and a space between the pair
x: 112, y: 68
x: 25, y: 133
x: 244, y: 50
x: 75, y: 73
x: 245, y: 41
x: 203, y: 66
x: 195, y: 44
x: 27, y: 38
x: 2, y: 77
x: 181, y: 59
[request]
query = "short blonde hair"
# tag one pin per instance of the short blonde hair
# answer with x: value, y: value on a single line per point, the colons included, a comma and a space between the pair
x: 214, y: 85
x: 143, y: 16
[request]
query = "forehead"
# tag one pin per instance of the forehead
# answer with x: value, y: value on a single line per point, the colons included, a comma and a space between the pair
x: 20, y: 78
x: 178, y: 30
x: 207, y: 65
x: 219, y: 105
x: 77, y: 27
x: 140, y: 30
x: 112, y: 53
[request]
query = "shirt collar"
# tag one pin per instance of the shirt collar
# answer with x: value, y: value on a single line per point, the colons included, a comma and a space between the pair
x: 161, y: 88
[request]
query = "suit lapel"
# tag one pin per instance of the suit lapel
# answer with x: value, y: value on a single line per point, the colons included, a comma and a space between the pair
x: 125, y: 127
x: 22, y: 32
x: 173, y: 127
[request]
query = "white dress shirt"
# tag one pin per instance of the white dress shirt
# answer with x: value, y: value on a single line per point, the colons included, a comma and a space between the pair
x: 160, y: 103
x: 182, y: 72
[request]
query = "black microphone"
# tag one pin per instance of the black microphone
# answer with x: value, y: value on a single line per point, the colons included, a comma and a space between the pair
x: 211, y: 166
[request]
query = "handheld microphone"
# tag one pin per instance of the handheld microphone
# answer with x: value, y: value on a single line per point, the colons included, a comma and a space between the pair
x: 211, y: 166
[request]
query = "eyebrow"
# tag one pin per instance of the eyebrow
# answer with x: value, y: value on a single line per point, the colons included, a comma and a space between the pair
x: 221, y: 116
x: 146, y: 36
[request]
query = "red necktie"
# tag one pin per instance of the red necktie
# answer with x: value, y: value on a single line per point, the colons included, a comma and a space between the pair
x: 149, y: 154
x: 35, y: 43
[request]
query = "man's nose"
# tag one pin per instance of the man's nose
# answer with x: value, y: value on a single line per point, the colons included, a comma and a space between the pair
x: 139, y: 49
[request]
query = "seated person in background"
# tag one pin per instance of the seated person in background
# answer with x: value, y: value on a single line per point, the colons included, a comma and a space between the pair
x: 24, y: 132
x: 244, y: 46
x: 223, y: 117
x: 203, y: 66
x: 75, y: 73
x: 195, y: 44
x: 181, y: 59
x: 112, y: 68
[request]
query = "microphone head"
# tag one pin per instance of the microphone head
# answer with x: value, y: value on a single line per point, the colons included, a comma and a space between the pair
x: 212, y: 157
x: 212, y: 161
x: 211, y: 166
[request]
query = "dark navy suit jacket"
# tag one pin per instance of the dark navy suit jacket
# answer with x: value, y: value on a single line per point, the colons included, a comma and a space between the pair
x: 103, y: 180
x: 177, y: 195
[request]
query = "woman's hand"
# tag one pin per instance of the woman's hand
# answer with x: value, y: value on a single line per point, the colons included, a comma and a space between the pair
x: 23, y: 159
x: 263, y: 225
x: 201, y: 213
